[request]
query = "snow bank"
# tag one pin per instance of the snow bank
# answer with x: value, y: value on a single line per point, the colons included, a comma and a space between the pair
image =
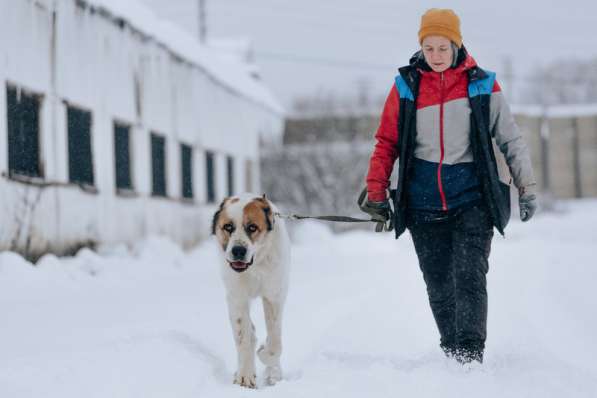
x: 151, y: 321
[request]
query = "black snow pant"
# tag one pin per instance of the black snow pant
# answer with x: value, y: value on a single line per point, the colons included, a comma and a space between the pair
x: 453, y: 250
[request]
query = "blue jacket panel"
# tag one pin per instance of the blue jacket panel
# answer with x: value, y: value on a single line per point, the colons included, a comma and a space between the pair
x: 459, y: 181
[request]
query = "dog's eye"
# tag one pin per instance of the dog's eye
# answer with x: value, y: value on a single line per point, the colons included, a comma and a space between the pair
x: 252, y: 228
x: 228, y: 228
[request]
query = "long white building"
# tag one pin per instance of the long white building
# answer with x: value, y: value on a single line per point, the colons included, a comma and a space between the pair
x: 115, y: 125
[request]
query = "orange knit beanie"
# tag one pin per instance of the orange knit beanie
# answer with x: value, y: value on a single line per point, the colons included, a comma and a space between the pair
x: 441, y: 22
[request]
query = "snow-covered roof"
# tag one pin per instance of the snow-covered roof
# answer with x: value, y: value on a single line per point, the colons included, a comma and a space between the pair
x: 235, y: 75
x: 556, y: 111
x: 239, y: 50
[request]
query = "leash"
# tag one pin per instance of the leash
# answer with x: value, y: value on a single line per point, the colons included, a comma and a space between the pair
x: 380, y: 225
x: 323, y: 218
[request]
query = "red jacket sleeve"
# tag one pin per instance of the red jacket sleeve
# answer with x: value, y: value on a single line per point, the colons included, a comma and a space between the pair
x: 386, y: 150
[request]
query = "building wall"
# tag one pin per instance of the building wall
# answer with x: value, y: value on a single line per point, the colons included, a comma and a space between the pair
x: 74, y: 55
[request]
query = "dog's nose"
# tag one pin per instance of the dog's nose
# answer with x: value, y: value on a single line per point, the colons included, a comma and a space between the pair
x: 239, y: 252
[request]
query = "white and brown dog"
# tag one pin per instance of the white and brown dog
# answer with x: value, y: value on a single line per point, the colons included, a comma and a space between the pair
x: 256, y: 263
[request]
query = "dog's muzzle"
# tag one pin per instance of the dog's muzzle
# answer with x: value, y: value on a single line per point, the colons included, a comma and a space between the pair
x: 239, y: 255
x: 240, y: 266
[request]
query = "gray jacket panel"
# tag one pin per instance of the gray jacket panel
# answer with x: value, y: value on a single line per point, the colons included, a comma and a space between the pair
x: 510, y: 142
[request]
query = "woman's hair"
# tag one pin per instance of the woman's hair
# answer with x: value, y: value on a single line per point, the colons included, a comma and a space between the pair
x: 454, y: 54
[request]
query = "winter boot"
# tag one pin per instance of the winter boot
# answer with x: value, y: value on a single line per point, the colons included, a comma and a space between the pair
x: 449, y: 349
x: 468, y: 355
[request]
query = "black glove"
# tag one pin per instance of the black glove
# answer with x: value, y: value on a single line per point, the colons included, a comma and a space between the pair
x: 528, y: 204
x: 379, y: 211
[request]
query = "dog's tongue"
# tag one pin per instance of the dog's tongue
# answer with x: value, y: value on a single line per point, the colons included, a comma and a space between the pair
x: 239, y: 264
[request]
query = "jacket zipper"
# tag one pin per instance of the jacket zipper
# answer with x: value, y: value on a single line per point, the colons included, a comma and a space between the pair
x: 441, y: 143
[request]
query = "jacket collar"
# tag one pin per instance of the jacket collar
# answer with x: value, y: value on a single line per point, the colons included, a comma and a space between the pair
x: 417, y: 66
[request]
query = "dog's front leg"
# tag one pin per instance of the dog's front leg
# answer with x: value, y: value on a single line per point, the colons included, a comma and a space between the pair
x: 270, y: 352
x: 244, y: 337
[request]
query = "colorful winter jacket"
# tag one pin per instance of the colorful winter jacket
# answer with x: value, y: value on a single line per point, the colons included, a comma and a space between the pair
x: 445, y: 171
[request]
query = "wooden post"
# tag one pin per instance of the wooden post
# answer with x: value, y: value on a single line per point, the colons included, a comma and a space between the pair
x: 544, y: 135
x: 576, y: 159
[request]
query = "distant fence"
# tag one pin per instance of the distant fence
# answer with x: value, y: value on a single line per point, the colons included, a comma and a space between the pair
x: 563, y: 145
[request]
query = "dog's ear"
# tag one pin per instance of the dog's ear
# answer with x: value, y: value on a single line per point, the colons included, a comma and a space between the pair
x: 214, y: 221
x: 269, y: 217
x: 267, y: 210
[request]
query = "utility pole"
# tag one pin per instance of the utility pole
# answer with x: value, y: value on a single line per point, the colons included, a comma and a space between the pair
x: 202, y: 21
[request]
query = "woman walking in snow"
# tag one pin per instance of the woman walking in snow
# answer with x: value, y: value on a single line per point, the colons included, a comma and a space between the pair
x: 439, y: 120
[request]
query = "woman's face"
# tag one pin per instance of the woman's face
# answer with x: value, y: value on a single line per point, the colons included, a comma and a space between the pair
x: 438, y: 53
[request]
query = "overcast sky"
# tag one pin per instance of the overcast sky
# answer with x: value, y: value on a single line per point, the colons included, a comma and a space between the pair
x: 308, y: 46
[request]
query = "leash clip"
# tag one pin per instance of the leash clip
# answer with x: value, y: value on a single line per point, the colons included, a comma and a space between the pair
x: 286, y: 216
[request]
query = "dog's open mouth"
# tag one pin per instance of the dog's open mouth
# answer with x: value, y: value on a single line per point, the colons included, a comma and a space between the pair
x: 240, y: 266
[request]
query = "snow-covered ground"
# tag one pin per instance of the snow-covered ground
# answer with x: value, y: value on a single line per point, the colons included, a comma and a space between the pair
x: 150, y: 321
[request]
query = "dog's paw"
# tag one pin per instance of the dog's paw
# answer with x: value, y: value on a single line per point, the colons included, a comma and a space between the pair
x: 267, y: 357
x: 272, y: 375
x: 261, y: 354
x: 244, y: 380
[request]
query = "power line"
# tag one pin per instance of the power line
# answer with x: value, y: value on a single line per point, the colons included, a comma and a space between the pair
x: 284, y: 11
x: 337, y: 7
x: 366, y: 30
x: 336, y: 63
x: 378, y: 28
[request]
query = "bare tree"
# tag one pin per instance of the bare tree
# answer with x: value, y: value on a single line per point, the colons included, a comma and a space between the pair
x: 319, y: 179
x: 563, y: 82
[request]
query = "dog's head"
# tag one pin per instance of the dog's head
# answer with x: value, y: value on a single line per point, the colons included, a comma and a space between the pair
x: 241, y: 226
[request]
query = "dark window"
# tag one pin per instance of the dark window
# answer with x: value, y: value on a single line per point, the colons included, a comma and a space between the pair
x: 22, y: 110
x: 230, y: 172
x: 158, y: 165
x: 122, y: 156
x: 186, y: 157
x: 80, y: 162
x: 210, y: 177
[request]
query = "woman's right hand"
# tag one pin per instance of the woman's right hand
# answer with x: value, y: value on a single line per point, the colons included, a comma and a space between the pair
x: 379, y: 211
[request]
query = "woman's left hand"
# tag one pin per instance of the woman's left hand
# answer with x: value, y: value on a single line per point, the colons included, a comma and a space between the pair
x: 528, y: 204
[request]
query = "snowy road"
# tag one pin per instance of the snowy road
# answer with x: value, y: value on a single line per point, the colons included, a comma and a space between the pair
x: 152, y: 322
